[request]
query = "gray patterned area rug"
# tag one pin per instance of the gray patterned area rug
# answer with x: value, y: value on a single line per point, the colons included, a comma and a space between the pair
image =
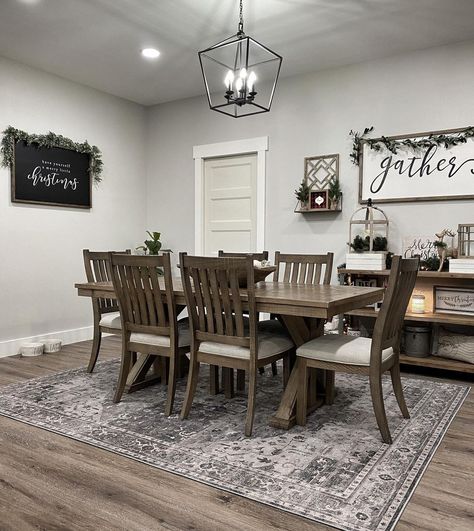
x: 334, y: 471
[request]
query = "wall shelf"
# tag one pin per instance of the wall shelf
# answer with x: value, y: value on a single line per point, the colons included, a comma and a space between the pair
x: 311, y: 210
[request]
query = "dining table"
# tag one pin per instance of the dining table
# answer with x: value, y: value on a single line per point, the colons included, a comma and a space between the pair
x: 302, y: 308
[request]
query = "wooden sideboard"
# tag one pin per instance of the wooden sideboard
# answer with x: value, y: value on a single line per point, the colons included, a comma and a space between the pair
x: 424, y: 286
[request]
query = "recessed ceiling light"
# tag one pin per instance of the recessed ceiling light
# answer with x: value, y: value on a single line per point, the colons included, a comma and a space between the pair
x: 150, y: 53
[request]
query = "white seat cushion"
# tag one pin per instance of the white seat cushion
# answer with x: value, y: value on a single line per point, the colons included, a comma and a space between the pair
x: 341, y: 349
x: 184, y: 337
x: 111, y: 320
x: 268, y: 345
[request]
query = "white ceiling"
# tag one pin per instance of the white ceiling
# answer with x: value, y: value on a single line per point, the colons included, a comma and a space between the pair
x: 98, y: 42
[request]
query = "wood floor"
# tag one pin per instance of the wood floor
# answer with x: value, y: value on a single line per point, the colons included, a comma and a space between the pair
x: 49, y: 482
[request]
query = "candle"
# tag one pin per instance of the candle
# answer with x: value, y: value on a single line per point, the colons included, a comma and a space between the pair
x: 229, y: 79
x: 418, y: 304
x: 251, y: 81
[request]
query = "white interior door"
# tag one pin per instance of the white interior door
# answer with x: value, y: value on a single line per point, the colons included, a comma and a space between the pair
x: 230, y: 204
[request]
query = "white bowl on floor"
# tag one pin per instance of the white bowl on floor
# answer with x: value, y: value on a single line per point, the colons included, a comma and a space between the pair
x: 31, y: 349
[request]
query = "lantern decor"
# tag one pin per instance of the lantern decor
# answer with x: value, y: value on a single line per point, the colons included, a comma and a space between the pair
x: 465, y: 260
x: 240, y: 74
x: 368, y: 236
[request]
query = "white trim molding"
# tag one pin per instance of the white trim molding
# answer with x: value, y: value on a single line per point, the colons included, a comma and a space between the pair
x: 258, y: 145
x: 11, y: 347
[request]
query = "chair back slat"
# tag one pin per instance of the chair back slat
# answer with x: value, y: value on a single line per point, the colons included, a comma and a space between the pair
x: 388, y: 326
x: 303, y: 268
x: 97, y: 268
x: 216, y: 302
x: 145, y: 297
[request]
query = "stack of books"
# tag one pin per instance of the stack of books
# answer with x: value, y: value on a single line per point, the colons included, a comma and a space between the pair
x: 461, y: 265
x: 366, y: 261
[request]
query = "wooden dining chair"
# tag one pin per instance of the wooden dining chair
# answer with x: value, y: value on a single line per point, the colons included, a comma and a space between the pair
x: 361, y: 355
x: 241, y: 374
x: 219, y: 335
x: 303, y: 268
x: 105, y: 311
x: 144, y: 289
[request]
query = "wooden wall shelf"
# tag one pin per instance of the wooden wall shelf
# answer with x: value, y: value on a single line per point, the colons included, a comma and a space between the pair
x: 311, y: 210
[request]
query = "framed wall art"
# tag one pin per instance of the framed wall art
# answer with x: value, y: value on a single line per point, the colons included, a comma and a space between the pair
x: 433, y: 166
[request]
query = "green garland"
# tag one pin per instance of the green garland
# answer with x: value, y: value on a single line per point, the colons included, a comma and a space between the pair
x: 50, y: 140
x: 393, y: 145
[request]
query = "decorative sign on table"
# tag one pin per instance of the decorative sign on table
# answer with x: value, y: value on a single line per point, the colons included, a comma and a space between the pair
x: 50, y: 169
x: 454, y: 300
x: 418, y: 167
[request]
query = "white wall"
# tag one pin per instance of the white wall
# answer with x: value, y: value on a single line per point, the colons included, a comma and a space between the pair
x: 41, y: 247
x: 312, y: 115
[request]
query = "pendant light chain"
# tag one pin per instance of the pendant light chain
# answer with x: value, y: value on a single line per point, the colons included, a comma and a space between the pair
x: 241, y: 18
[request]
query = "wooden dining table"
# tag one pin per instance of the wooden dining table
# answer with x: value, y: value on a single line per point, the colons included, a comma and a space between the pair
x: 302, y: 308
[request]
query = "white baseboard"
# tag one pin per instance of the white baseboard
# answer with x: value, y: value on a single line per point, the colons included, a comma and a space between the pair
x: 12, y: 346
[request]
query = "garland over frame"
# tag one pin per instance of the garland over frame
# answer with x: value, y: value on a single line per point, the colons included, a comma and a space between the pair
x: 377, y: 144
x: 51, y: 140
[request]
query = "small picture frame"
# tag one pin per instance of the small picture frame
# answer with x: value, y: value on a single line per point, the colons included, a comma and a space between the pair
x: 453, y: 300
x: 319, y: 200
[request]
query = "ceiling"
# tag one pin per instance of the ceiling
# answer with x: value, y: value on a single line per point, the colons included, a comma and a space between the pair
x: 98, y: 42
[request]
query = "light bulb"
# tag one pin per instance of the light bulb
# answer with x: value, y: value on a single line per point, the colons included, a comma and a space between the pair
x: 251, y: 81
x: 150, y: 53
x: 229, y: 79
x: 243, y: 73
x: 239, y: 84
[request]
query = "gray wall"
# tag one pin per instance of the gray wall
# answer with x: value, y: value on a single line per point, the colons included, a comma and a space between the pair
x: 41, y: 247
x: 312, y: 115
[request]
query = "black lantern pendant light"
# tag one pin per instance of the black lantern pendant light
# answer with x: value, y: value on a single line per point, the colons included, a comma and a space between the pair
x: 240, y: 74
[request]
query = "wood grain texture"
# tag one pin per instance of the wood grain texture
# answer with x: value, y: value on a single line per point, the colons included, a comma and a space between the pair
x: 51, y: 482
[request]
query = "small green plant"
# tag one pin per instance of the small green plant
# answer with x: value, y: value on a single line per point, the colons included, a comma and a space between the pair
x: 440, y: 244
x: 361, y: 245
x: 153, y: 245
x: 302, y: 193
x: 334, y: 190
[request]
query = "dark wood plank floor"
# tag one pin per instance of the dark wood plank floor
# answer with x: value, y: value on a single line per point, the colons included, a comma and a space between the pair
x: 50, y: 482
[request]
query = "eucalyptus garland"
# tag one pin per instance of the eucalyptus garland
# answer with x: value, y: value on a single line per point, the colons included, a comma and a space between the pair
x: 393, y: 145
x: 50, y: 140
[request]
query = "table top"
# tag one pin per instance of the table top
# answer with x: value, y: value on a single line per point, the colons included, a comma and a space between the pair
x: 308, y: 300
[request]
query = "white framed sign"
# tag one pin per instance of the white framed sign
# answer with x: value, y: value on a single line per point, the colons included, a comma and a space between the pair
x: 454, y: 300
x: 433, y: 173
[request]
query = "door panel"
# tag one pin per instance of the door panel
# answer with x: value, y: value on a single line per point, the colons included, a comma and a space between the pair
x: 230, y: 204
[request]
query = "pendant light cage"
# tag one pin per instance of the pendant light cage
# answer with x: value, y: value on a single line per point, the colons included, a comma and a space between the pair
x: 240, y: 74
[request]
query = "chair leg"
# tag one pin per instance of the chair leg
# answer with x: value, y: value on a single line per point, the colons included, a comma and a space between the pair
x: 330, y: 391
x: 213, y: 379
x: 95, y: 348
x: 251, y: 401
x: 228, y: 382
x: 125, y: 366
x: 379, y: 407
x: 172, y: 375
x: 240, y: 380
x: 274, y: 368
x: 190, y: 387
x: 286, y: 370
x: 398, y: 390
x: 302, y: 393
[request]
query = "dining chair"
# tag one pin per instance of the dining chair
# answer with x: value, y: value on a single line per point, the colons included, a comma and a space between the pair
x: 219, y: 335
x: 361, y: 355
x: 241, y: 374
x: 105, y: 311
x: 303, y: 268
x: 144, y: 289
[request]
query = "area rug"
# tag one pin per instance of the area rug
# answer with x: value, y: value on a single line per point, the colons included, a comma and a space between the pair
x: 335, y: 471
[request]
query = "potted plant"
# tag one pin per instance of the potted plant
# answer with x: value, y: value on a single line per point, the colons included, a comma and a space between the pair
x: 335, y: 193
x: 302, y: 194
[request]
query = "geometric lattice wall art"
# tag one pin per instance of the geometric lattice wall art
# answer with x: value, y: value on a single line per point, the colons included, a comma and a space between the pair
x: 320, y: 171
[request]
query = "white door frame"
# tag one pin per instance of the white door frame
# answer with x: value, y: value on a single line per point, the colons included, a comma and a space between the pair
x: 257, y: 145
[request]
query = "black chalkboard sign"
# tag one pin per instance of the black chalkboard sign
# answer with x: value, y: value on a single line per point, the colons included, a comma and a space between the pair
x: 51, y: 176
